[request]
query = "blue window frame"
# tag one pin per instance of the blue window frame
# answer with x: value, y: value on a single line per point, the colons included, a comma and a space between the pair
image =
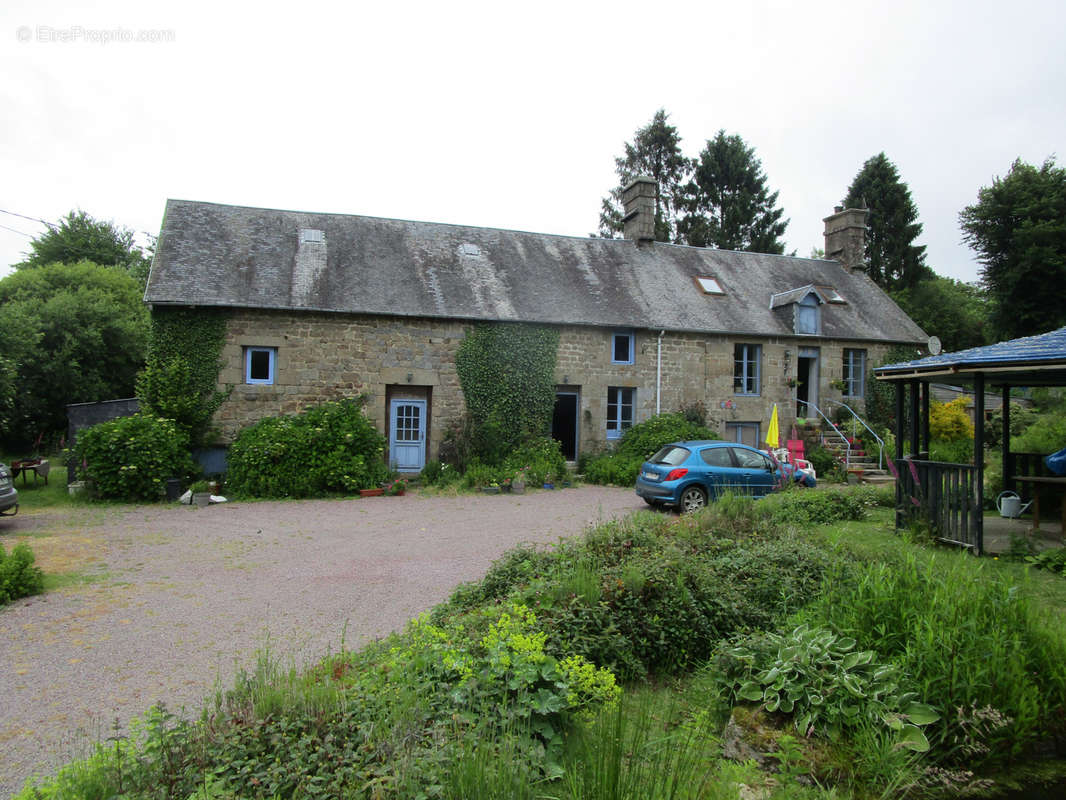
x: 260, y: 364
x: 808, y: 315
x: 619, y: 410
x: 746, y: 358
x: 622, y: 348
x: 855, y: 373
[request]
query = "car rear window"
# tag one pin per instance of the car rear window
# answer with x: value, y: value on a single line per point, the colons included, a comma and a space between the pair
x: 671, y: 454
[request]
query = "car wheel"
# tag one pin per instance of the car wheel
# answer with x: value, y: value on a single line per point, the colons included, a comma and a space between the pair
x: 692, y: 499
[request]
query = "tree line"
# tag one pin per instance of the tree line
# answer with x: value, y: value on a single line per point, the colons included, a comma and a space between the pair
x: 1017, y: 228
x: 77, y: 329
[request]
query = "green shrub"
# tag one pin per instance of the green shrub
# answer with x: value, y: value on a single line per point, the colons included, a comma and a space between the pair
x: 539, y: 459
x: 620, y: 466
x: 1046, y: 435
x: 329, y: 448
x: 965, y: 638
x: 647, y: 595
x: 802, y: 507
x: 130, y: 458
x: 824, y: 463
x: 18, y: 575
x: 959, y: 451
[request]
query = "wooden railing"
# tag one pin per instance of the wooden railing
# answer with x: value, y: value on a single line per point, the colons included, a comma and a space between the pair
x: 945, y: 496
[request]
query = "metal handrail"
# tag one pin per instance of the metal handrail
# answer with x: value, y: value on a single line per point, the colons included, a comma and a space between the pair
x: 880, y: 441
x: 847, y: 443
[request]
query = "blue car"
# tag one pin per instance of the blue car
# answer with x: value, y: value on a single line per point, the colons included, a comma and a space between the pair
x: 686, y: 475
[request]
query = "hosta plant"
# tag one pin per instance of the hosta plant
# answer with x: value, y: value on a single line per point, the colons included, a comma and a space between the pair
x: 824, y: 683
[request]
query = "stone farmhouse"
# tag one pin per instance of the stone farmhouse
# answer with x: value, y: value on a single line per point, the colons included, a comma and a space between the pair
x: 324, y: 306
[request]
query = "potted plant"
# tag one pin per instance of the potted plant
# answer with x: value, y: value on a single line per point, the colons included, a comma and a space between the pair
x: 201, y: 493
x: 376, y: 491
x: 790, y: 383
x: 840, y: 384
x: 518, y: 483
x: 548, y: 482
x: 397, y: 487
x: 492, y: 488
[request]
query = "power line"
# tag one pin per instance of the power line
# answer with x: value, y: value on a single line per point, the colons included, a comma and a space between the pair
x: 23, y: 233
x: 32, y: 219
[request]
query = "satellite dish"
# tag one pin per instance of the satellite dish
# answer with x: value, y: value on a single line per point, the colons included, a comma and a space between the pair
x: 934, y: 346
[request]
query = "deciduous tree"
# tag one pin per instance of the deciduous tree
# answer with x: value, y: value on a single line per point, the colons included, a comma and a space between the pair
x: 79, y: 237
x: 79, y: 332
x: 893, y: 260
x: 953, y: 311
x: 656, y: 152
x: 727, y: 203
x: 1018, y: 229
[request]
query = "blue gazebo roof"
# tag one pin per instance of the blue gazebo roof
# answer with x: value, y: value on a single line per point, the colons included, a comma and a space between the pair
x: 1031, y: 360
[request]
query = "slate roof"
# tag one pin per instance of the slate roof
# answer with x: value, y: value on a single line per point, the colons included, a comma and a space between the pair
x: 233, y: 256
x: 1037, y: 358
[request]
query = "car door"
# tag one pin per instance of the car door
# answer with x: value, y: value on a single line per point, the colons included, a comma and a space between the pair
x: 722, y: 473
x: 758, y: 473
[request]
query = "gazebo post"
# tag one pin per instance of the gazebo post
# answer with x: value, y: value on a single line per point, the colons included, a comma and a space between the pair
x: 926, y: 391
x: 898, y: 387
x: 1008, y: 466
x: 979, y: 456
x: 915, y: 444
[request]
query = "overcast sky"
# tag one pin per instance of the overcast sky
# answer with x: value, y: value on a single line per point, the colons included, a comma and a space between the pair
x: 510, y: 115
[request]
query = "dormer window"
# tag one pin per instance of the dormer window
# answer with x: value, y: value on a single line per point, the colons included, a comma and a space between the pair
x: 809, y: 315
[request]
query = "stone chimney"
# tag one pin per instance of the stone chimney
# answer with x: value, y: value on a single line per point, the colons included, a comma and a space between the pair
x: 845, y: 237
x: 638, y: 202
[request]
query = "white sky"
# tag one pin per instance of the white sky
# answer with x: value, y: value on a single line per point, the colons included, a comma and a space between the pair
x: 510, y: 115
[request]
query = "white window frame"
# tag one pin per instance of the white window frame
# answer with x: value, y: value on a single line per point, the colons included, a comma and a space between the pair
x: 747, y: 369
x: 631, y: 338
x: 616, y: 396
x: 854, y: 372
x: 272, y: 352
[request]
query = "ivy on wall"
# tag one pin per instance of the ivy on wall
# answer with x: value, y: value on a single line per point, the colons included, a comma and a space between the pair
x: 180, y: 379
x: 507, y: 373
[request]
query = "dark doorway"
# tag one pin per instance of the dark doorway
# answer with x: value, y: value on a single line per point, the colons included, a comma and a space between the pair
x: 807, y: 383
x: 564, y: 423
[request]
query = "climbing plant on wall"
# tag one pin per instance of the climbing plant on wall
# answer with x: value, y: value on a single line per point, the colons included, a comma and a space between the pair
x: 180, y: 379
x: 507, y: 373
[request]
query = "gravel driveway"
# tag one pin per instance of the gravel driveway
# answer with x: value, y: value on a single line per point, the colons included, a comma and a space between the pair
x: 180, y: 597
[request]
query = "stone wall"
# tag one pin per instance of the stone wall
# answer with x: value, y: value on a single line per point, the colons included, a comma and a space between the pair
x: 330, y: 356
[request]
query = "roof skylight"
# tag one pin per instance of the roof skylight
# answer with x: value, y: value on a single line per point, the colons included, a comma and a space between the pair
x: 709, y: 285
x: 831, y: 295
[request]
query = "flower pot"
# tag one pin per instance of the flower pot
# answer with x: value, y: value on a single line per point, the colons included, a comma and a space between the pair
x: 371, y: 492
x: 201, y: 499
x: 549, y: 485
x: 173, y: 489
x: 490, y: 489
x: 518, y: 487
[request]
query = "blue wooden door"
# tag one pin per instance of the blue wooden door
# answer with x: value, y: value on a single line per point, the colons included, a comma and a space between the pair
x: 407, y: 435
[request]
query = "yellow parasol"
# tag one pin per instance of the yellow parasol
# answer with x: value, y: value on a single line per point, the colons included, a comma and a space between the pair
x: 773, y: 433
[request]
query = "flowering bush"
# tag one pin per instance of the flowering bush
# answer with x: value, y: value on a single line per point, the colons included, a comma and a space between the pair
x: 130, y: 458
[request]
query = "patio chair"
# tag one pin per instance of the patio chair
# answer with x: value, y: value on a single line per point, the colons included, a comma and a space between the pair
x: 797, y: 456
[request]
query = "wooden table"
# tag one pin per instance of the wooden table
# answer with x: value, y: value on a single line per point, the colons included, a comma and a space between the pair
x: 1042, y: 481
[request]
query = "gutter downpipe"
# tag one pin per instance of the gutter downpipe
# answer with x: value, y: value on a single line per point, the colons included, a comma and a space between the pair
x: 659, y: 371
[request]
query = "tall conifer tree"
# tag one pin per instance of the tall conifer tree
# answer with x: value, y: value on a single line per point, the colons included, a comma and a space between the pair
x: 893, y: 261
x: 727, y: 202
x: 656, y: 152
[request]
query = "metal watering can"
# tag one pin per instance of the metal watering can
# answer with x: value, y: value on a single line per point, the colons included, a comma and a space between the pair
x: 1010, y: 505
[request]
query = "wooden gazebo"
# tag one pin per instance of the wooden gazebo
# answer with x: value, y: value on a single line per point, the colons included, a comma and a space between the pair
x: 951, y: 496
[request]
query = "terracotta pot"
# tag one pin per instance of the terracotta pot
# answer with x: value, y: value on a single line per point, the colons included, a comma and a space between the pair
x: 371, y: 492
